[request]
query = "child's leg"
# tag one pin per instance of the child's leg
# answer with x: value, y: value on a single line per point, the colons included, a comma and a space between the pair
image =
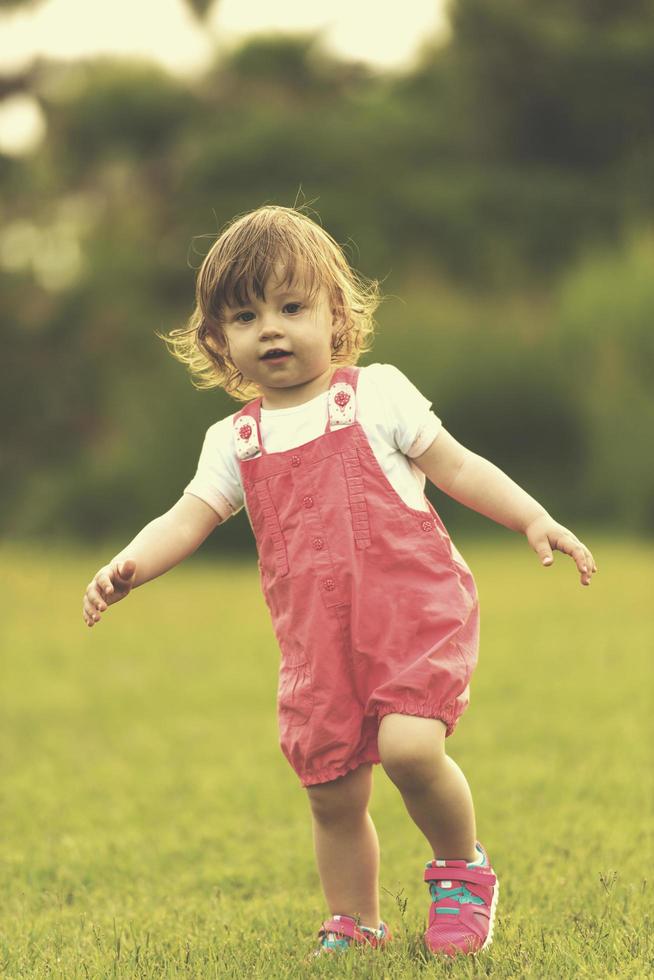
x: 346, y: 845
x: 434, y: 789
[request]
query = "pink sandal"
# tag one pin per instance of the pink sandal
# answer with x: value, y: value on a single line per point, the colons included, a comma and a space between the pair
x: 464, y: 900
x: 342, y: 931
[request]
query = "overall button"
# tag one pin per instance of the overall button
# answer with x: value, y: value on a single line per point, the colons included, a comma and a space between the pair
x: 318, y: 543
x: 329, y: 584
x: 427, y: 526
x: 295, y: 460
x: 307, y: 501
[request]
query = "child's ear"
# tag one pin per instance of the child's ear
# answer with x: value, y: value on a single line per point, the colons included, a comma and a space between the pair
x: 220, y: 341
x: 215, y: 342
x: 339, y: 318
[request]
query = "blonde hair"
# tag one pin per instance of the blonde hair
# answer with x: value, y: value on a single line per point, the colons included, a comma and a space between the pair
x: 237, y: 267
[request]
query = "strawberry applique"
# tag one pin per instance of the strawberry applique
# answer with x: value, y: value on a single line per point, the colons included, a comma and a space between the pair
x: 245, y: 437
x: 341, y: 404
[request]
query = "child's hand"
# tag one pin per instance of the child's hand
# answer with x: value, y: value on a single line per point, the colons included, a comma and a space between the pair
x: 544, y: 534
x: 111, y: 584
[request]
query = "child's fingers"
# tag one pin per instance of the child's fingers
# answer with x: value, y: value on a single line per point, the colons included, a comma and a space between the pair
x: 105, y: 583
x: 107, y: 586
x: 94, y: 596
x: 91, y: 613
x: 582, y: 557
x: 590, y: 561
x: 589, y: 567
x: 593, y: 563
x: 561, y: 539
x: 544, y: 551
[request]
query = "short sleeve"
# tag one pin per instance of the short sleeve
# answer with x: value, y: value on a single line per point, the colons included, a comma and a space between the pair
x: 217, y: 479
x: 413, y: 426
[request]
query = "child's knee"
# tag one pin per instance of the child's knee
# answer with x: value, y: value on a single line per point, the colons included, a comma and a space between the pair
x: 343, y: 798
x: 410, y: 749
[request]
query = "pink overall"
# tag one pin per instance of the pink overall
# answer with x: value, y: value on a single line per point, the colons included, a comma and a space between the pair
x: 372, y: 612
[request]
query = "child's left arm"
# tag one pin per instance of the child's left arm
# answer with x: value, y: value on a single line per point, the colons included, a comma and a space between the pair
x: 479, y: 484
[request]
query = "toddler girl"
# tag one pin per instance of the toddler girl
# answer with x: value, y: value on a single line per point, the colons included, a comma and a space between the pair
x: 374, y: 608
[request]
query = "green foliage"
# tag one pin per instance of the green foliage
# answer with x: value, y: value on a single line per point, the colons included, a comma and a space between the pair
x: 276, y: 65
x: 570, y: 84
x: 473, y: 184
x: 115, y: 111
x: 605, y: 345
x: 152, y: 827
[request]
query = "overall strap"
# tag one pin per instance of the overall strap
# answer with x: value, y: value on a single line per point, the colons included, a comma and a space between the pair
x: 247, y: 434
x: 343, y: 412
x: 247, y: 440
x: 342, y: 398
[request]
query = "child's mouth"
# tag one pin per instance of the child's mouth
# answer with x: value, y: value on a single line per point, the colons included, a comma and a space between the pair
x: 276, y: 355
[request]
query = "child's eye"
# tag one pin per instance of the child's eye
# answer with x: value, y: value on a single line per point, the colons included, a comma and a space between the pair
x: 296, y: 307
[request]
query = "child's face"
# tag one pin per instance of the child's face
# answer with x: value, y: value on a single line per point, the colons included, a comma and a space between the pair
x: 289, y: 321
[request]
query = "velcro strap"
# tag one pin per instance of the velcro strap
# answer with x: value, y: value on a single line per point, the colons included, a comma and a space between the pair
x: 475, y: 875
x: 344, y: 927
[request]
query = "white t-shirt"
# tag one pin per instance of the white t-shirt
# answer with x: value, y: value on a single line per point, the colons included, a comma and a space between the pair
x: 395, y: 416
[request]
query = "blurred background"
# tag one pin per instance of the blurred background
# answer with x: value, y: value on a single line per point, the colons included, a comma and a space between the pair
x: 492, y: 164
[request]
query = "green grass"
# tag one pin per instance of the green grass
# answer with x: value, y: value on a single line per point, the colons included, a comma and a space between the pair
x: 152, y: 828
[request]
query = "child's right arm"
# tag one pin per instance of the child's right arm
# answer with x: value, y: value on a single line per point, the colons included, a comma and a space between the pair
x: 162, y: 543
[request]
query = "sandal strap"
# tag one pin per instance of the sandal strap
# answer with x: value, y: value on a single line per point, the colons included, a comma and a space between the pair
x: 342, y: 926
x: 474, y: 875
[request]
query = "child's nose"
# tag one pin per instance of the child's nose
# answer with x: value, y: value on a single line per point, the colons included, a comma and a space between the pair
x: 270, y: 325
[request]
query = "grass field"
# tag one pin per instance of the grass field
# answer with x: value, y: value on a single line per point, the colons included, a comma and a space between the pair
x: 152, y: 828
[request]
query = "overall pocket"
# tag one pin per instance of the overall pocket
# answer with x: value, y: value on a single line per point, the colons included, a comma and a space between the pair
x: 294, y: 695
x: 267, y: 529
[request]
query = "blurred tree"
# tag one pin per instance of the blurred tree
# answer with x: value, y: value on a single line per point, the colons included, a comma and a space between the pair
x: 441, y: 174
x: 200, y: 8
x: 568, y: 83
x: 11, y: 4
x: 526, y: 137
x: 114, y: 110
x: 602, y: 333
